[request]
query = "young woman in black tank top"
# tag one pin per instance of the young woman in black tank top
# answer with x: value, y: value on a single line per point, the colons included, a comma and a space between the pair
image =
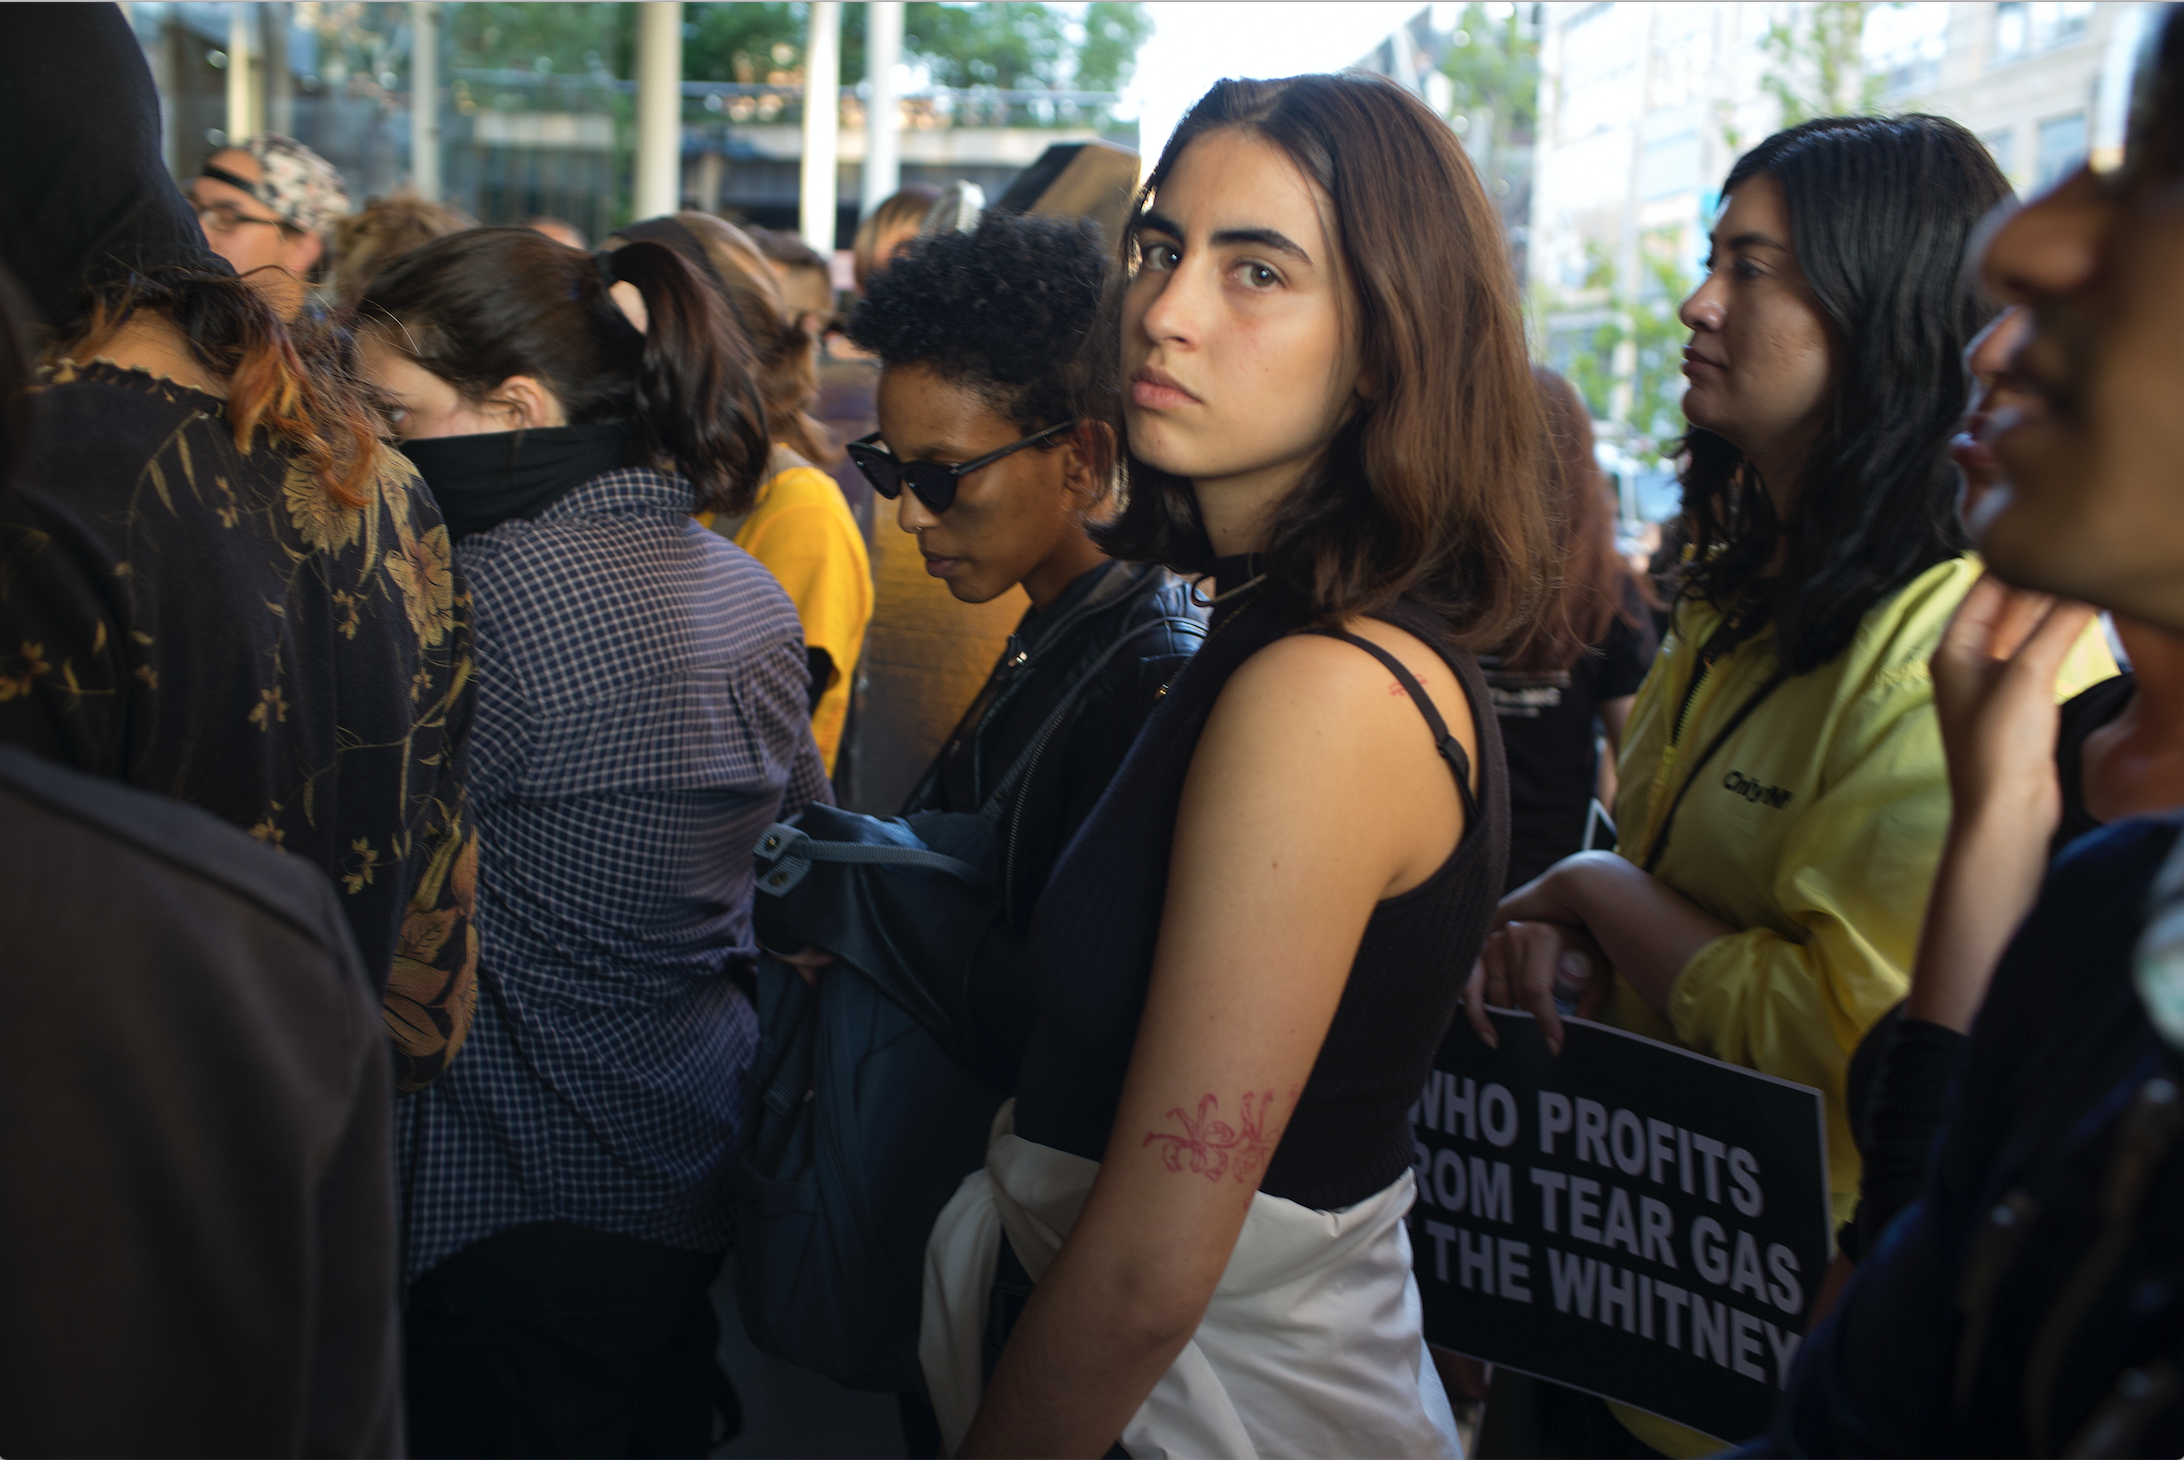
x: 1251, y: 951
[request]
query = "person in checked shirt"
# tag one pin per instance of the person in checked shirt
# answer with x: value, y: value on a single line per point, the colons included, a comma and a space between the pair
x: 643, y: 716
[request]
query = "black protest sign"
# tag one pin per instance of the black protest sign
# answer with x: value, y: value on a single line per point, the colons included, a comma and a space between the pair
x: 1629, y: 1219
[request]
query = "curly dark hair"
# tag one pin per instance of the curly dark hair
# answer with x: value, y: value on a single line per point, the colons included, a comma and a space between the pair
x: 1001, y: 311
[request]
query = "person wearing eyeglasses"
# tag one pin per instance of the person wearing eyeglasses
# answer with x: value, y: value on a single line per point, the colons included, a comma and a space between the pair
x: 267, y: 207
x: 981, y: 450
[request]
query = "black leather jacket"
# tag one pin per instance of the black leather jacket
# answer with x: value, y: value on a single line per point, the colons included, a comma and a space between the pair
x: 1047, y: 744
x: 1041, y: 741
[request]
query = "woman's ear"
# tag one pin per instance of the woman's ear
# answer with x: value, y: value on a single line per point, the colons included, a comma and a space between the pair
x: 1088, y: 463
x: 530, y: 404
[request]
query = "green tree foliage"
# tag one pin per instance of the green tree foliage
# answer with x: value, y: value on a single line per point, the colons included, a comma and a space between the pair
x: 1649, y: 324
x: 548, y: 38
x: 1816, y: 64
x: 1113, y: 35
x: 1012, y: 46
x: 748, y: 42
x: 1496, y: 65
x: 988, y: 44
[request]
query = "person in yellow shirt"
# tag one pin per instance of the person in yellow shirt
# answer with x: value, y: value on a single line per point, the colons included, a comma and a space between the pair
x: 1783, y: 794
x: 800, y: 527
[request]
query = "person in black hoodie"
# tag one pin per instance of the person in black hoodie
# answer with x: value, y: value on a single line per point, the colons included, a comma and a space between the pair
x: 977, y: 334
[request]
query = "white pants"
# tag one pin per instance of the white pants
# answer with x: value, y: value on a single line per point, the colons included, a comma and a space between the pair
x: 1311, y: 1346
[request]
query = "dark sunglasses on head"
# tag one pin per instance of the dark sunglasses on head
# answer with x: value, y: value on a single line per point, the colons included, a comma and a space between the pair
x: 933, y: 481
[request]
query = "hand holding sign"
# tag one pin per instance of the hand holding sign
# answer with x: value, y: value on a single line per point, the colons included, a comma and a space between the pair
x: 1525, y: 965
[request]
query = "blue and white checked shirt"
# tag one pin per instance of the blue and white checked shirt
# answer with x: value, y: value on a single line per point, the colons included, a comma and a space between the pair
x: 643, y: 715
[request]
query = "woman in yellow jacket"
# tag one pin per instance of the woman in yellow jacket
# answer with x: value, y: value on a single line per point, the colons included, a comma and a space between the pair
x: 800, y: 527
x: 1784, y: 797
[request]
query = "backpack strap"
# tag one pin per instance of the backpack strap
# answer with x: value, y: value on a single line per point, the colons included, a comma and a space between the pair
x: 1451, y: 749
x: 785, y: 853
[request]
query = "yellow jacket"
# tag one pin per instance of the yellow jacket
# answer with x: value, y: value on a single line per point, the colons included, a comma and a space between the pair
x: 800, y: 528
x: 1814, y: 829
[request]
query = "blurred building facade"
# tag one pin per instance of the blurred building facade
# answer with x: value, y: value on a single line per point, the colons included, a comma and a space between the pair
x: 1474, y: 64
x: 522, y: 134
x: 1644, y: 107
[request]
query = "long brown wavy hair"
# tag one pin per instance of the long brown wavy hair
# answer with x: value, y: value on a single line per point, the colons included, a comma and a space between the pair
x: 297, y: 383
x: 1592, y: 586
x: 1434, y: 489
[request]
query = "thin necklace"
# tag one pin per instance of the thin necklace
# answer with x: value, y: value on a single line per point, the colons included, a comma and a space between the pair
x: 1224, y: 593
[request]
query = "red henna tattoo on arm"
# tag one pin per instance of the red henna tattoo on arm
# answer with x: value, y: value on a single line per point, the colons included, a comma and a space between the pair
x: 1210, y: 1147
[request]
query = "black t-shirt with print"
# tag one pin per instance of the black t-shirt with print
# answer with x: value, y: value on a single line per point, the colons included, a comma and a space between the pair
x: 1547, y: 724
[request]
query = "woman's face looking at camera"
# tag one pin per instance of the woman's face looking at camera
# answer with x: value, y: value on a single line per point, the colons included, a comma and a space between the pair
x: 1760, y: 361
x: 1237, y: 342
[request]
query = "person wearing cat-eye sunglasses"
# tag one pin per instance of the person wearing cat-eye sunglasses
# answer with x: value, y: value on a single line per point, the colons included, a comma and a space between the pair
x: 934, y: 482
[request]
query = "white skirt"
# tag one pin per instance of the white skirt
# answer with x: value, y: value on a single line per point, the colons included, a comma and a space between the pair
x: 1312, y: 1345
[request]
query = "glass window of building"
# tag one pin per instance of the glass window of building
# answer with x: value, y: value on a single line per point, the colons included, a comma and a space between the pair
x: 2026, y: 29
x: 2062, y: 147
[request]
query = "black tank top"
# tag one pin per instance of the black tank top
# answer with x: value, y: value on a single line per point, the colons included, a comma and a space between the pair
x: 1092, y: 937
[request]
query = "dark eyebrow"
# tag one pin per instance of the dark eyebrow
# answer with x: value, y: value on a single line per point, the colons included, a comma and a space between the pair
x: 1264, y: 237
x: 1754, y: 240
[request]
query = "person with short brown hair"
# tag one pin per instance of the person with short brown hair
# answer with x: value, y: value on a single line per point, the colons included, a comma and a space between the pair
x: 383, y: 230
x: 888, y: 229
x: 807, y: 280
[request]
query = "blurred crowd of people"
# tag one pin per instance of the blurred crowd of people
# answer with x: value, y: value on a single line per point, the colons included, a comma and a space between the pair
x: 411, y: 632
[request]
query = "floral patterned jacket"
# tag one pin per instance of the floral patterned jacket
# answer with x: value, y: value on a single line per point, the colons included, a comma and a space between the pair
x: 210, y: 624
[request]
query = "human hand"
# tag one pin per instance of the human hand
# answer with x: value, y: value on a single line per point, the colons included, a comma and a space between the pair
x: 1994, y: 694
x: 807, y: 963
x: 1522, y: 966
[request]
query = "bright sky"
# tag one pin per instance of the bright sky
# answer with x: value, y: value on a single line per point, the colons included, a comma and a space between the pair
x: 1197, y: 42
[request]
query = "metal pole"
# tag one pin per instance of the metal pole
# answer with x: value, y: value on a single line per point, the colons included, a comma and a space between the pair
x: 425, y: 99
x: 280, y: 79
x: 822, y: 123
x: 659, y: 108
x: 883, y: 116
x: 241, y: 115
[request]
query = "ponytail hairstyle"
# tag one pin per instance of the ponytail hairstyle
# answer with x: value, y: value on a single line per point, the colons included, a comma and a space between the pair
x: 480, y: 306
x: 785, y: 340
x: 297, y: 382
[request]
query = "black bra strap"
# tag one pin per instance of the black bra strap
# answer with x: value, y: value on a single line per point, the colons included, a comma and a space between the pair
x: 1451, y: 749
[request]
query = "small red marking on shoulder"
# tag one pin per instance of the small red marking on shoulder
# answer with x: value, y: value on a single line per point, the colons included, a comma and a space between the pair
x: 1396, y: 688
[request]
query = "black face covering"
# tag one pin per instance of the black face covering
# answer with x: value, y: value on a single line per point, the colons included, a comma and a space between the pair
x: 481, y: 481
